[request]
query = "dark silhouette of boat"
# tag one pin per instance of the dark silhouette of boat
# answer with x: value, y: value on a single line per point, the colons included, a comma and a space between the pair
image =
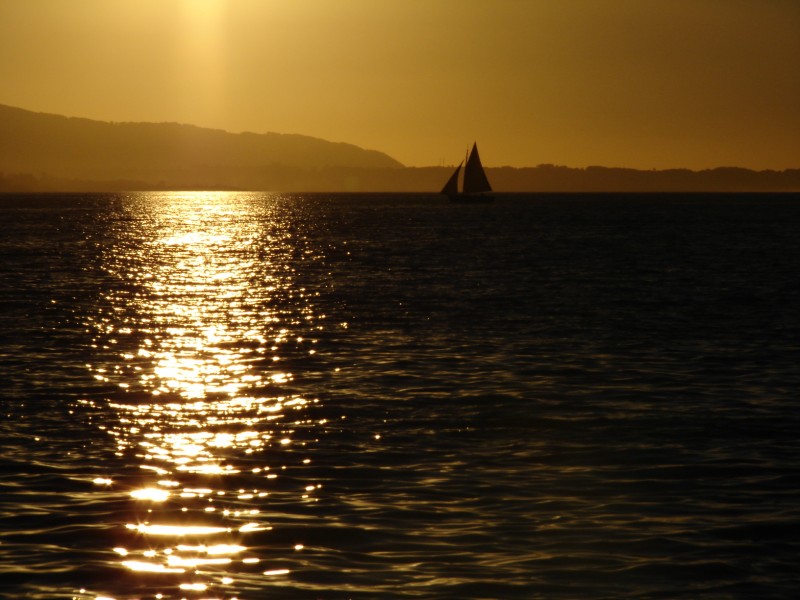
x: 476, y: 187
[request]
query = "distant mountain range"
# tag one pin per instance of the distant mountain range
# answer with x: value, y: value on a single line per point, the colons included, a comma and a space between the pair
x: 66, y: 148
x: 45, y: 152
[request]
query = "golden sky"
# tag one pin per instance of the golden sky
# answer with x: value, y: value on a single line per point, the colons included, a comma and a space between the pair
x: 634, y: 83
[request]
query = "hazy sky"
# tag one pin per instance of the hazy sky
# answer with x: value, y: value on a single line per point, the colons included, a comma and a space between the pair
x: 637, y: 83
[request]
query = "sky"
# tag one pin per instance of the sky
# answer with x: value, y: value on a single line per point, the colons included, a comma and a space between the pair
x: 648, y: 84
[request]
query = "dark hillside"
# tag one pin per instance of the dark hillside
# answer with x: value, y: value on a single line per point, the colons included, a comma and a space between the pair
x: 82, y: 149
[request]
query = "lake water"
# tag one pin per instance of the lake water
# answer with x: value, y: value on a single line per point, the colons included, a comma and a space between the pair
x: 230, y: 395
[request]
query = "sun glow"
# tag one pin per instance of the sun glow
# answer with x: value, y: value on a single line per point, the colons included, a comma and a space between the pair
x: 203, y: 45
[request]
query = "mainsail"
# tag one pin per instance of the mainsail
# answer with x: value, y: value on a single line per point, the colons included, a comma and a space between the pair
x: 475, y: 180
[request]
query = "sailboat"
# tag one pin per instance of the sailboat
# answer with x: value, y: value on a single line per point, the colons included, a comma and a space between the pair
x: 476, y: 187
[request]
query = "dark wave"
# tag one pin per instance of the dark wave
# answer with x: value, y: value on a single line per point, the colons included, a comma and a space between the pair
x: 357, y: 397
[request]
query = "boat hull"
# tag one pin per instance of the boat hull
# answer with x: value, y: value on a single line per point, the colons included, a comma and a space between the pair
x: 470, y: 198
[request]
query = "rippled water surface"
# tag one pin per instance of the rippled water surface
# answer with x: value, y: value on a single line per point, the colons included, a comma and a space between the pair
x: 224, y: 395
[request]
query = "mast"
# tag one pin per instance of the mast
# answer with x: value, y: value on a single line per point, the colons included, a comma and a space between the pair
x: 475, y: 180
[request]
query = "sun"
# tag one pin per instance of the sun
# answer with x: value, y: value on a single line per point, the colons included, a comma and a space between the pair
x: 203, y: 48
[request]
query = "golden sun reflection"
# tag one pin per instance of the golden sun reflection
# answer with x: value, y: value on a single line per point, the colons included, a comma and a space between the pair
x: 193, y: 333
x: 154, y: 494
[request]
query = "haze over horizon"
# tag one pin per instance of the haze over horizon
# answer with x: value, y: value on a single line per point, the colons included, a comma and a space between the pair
x: 617, y: 83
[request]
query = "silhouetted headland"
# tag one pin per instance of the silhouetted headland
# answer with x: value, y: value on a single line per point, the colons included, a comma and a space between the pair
x: 44, y: 152
x: 52, y: 152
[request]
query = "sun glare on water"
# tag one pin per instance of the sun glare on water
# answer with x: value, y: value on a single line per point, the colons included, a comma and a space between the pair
x: 191, y: 336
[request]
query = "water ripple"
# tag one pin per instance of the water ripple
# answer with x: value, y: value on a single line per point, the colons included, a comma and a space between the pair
x: 237, y: 395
